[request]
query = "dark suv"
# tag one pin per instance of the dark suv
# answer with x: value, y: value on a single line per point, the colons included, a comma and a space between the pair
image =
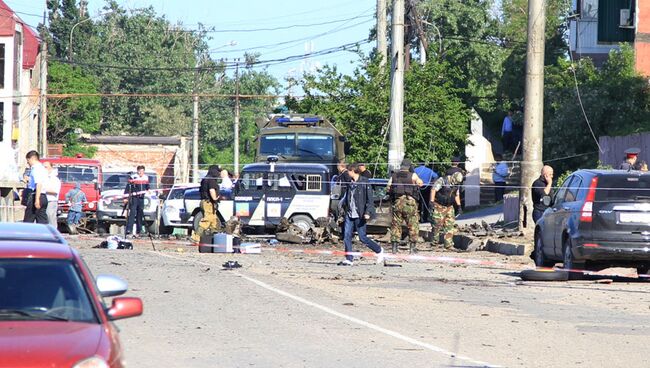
x: 597, y: 219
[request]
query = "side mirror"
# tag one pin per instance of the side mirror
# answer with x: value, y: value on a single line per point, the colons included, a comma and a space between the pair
x: 347, y: 147
x: 124, y: 308
x: 109, y: 285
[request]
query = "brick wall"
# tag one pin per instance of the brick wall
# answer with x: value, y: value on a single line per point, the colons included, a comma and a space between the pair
x: 160, y: 159
x: 642, y: 39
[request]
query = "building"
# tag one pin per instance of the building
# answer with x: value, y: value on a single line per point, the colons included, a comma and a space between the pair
x: 600, y: 26
x: 167, y: 156
x: 20, y: 62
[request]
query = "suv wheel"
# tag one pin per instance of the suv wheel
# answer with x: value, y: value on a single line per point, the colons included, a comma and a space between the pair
x: 303, y: 222
x: 643, y: 270
x: 540, y: 258
x: 569, y: 262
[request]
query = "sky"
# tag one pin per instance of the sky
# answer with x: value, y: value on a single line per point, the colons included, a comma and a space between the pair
x: 308, y: 25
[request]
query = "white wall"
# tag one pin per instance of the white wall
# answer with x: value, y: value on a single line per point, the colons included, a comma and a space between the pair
x: 583, y: 31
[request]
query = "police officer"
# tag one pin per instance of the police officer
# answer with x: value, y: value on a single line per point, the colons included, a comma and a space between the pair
x: 404, y: 189
x: 209, y: 203
x: 136, y: 189
x: 632, y: 161
x: 444, y: 195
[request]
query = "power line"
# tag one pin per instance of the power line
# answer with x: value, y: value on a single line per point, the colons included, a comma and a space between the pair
x: 225, y: 65
x: 251, y: 30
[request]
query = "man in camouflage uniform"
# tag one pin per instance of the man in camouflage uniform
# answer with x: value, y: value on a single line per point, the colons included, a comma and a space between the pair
x: 444, y: 195
x: 404, y: 188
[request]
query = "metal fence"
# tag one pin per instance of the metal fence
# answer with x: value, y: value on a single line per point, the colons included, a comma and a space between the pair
x: 613, y: 148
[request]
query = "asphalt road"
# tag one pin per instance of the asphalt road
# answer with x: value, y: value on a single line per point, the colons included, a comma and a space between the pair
x: 295, y: 310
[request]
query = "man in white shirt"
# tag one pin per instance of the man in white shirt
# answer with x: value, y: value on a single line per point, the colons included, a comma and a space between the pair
x: 36, y: 202
x: 52, y: 187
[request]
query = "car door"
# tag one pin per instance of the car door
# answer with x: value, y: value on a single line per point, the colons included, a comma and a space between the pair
x: 560, y: 211
x: 550, y: 215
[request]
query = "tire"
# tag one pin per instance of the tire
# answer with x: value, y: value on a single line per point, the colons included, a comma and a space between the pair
x: 544, y: 275
x: 304, y: 222
x: 643, y: 270
x: 197, y: 219
x: 540, y: 259
x: 568, y: 261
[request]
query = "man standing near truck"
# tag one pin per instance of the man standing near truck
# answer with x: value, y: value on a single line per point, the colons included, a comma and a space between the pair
x: 136, y: 189
x: 36, y: 201
x: 52, y: 187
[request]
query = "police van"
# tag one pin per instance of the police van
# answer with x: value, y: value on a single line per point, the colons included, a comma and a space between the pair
x: 267, y: 192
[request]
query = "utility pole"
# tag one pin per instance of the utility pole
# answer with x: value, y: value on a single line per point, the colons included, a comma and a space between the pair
x: 533, y: 109
x: 396, y: 142
x: 195, y: 128
x: 382, y: 47
x: 42, y: 147
x: 236, y: 133
x: 424, y: 44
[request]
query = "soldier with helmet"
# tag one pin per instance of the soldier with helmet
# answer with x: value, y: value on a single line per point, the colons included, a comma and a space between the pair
x: 444, y: 195
x: 404, y: 189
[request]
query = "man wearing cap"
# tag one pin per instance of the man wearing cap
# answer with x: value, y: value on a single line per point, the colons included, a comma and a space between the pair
x: 403, y: 187
x: 631, y: 160
x: 444, y: 195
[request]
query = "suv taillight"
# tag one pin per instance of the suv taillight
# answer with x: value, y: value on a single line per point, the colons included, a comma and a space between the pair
x: 586, y: 213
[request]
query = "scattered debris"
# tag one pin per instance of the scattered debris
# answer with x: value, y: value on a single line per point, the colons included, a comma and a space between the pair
x: 231, y: 265
x: 115, y: 242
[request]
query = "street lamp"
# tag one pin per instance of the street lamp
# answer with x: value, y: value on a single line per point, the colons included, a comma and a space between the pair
x: 78, y: 23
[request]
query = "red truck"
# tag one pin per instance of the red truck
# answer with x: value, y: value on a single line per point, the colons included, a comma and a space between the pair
x: 86, y: 172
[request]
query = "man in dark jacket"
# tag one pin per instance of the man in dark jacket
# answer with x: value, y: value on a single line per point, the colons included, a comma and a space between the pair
x: 357, y: 207
x: 136, y: 189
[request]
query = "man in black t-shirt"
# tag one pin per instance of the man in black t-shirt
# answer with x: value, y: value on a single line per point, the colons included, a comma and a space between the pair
x: 209, y: 203
x: 540, y: 189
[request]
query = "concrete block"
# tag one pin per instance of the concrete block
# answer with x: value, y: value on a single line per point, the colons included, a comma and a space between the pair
x: 466, y: 243
x: 507, y: 248
x: 511, y: 209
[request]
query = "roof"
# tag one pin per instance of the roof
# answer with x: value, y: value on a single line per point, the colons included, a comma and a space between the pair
x: 130, y: 139
x: 31, y: 43
x: 71, y: 160
x: 287, y: 167
x: 24, y: 240
x: 603, y: 172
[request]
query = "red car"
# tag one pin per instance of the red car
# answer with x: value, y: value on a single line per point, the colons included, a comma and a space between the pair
x: 51, y: 308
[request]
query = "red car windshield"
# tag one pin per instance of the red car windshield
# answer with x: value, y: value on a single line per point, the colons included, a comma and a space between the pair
x: 43, y: 289
x: 78, y: 174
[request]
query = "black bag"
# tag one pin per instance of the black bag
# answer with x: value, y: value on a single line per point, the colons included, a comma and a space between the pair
x: 25, y: 197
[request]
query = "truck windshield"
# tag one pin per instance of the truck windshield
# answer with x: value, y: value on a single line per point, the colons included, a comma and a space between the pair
x: 77, y: 174
x: 301, y: 144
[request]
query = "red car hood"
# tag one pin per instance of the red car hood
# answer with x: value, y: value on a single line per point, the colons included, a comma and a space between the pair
x: 47, y: 343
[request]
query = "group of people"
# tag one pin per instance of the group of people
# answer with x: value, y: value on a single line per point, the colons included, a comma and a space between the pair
x: 41, y: 194
x: 356, y: 206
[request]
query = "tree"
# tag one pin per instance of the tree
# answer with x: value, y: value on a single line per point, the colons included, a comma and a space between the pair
x: 616, y: 100
x: 435, y: 119
x: 68, y: 116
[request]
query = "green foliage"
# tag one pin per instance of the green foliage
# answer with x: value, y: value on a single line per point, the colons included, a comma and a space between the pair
x: 65, y: 116
x: 616, y: 100
x: 435, y: 118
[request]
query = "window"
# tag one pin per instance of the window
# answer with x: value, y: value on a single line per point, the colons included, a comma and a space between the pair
x: 278, y: 182
x: 609, y: 18
x: 43, y: 290
x: 314, y: 183
x: 80, y: 174
x: 192, y: 194
x: 2, y: 65
x: 305, y: 145
x: 561, y: 193
x: 251, y: 181
x: 572, y: 191
x: 623, y: 188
